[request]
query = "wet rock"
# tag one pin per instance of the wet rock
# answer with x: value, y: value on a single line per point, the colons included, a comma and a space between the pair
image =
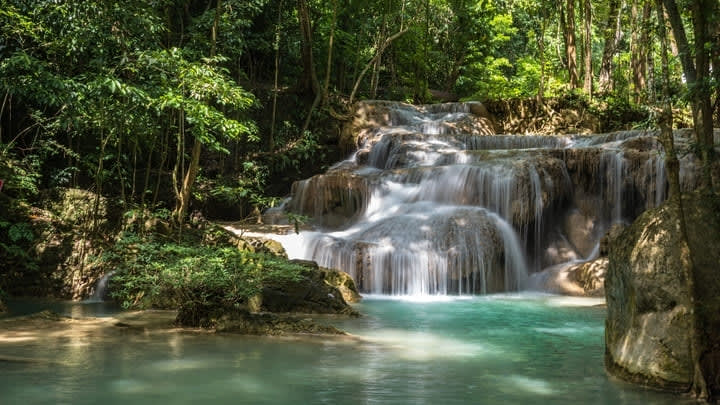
x: 590, y: 276
x: 580, y: 229
x: 312, y: 294
x: 268, y: 324
x: 615, y: 231
x: 578, y: 279
x: 344, y: 283
x: 331, y: 199
x: 648, y: 304
x: 372, y: 114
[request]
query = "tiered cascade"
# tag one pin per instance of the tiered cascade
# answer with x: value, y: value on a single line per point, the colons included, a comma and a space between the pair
x: 432, y: 202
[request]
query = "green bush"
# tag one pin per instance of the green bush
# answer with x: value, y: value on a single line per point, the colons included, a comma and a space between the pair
x: 201, y: 282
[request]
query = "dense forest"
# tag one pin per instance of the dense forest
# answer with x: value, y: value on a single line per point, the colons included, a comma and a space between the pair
x: 125, y: 97
x: 124, y: 125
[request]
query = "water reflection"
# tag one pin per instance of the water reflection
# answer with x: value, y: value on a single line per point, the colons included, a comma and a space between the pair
x: 487, y: 350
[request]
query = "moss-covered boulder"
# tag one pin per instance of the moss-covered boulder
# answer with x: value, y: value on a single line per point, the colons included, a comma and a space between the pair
x: 651, y: 304
x: 344, y: 283
x: 312, y: 294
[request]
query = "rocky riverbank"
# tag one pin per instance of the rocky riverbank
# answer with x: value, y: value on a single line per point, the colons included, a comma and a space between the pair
x: 48, y: 325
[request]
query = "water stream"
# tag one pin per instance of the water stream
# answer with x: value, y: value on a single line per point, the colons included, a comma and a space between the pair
x: 429, y: 212
x: 494, y: 349
x: 431, y: 204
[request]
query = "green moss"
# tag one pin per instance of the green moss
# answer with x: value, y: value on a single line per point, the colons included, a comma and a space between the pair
x: 201, y: 281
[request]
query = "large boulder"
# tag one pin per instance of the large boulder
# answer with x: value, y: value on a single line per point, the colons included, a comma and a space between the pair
x: 663, y: 327
x: 649, y: 304
x: 315, y: 293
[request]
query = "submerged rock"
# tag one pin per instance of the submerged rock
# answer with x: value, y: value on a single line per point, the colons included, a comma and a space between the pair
x: 268, y: 324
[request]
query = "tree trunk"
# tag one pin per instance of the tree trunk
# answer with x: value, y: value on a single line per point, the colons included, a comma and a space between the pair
x: 271, y: 139
x: 703, y: 345
x: 309, y: 81
x: 570, y: 44
x: 587, y: 84
x: 188, y: 181
x: 320, y: 96
x: 639, y: 47
x: 610, y: 36
x: 194, y: 167
x: 672, y: 164
x: 697, y: 73
x: 378, y: 54
x: 328, y: 68
x: 541, y: 51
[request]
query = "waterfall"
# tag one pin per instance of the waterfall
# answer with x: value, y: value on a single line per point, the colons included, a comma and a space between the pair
x: 432, y: 202
x: 100, y: 292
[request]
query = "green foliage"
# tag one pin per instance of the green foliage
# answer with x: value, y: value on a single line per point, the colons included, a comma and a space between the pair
x: 615, y: 111
x: 154, y: 273
x: 21, y: 176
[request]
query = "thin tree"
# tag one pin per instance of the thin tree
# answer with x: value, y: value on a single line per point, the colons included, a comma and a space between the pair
x: 194, y: 165
x: 587, y: 84
x: 611, y: 35
x: 570, y: 44
x: 276, y: 45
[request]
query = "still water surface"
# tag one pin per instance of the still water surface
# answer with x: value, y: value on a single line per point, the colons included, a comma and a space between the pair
x: 504, y: 349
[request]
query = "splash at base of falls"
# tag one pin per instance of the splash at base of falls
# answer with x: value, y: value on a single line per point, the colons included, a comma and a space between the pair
x: 421, y: 249
x: 433, y: 203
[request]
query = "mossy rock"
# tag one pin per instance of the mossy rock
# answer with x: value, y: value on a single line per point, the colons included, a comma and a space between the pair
x: 73, y: 206
x: 648, y: 304
x: 272, y: 247
x: 649, y: 300
x: 344, y: 283
x: 268, y: 324
x: 311, y: 294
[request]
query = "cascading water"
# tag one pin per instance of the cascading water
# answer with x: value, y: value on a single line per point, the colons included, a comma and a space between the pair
x: 433, y: 203
x: 101, y: 288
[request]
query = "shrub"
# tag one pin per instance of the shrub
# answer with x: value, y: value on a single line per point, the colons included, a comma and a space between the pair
x: 201, y: 282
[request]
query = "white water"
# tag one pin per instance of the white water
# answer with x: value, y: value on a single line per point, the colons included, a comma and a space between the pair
x: 440, y: 211
x: 100, y: 292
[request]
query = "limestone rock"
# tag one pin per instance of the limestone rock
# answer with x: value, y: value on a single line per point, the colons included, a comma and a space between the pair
x: 648, y: 302
x: 590, y: 276
x: 332, y: 199
x: 344, y: 283
x: 311, y: 294
x: 375, y: 113
x: 578, y: 279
